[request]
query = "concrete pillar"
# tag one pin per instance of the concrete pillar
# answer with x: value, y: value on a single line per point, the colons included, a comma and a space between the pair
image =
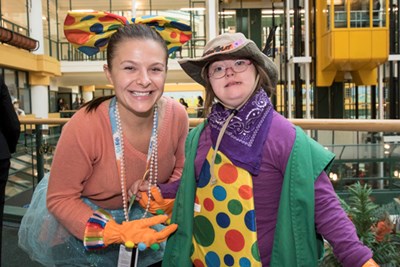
x: 39, y: 92
x: 87, y: 92
x: 39, y: 84
x: 36, y: 24
x: 212, y: 19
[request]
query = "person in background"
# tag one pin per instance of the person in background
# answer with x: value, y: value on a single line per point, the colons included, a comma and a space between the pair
x: 116, y: 154
x: 18, y: 110
x: 77, y: 103
x: 82, y: 100
x: 9, y: 135
x: 254, y: 189
x: 183, y: 102
x: 200, y: 106
x: 376, y: 10
x: 61, y: 105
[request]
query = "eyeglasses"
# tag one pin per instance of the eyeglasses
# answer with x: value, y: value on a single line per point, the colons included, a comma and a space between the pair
x: 218, y: 71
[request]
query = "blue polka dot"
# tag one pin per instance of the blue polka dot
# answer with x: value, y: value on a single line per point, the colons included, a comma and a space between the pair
x: 181, y: 26
x: 229, y: 260
x: 97, y: 28
x: 244, y: 262
x: 250, y: 220
x: 219, y: 193
x: 88, y: 17
x: 223, y: 220
x: 212, y: 259
x: 90, y: 51
x: 101, y: 42
x: 204, y: 177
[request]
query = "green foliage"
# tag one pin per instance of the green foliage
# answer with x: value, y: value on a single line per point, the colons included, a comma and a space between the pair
x: 365, y: 214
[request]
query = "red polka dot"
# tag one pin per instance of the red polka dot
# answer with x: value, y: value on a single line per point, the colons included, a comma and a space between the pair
x: 113, y: 17
x: 198, y: 263
x: 106, y: 19
x: 208, y: 204
x: 69, y: 20
x: 234, y: 240
x: 228, y: 173
x: 77, y: 36
x: 245, y: 192
x: 173, y: 35
x: 196, y: 200
x: 185, y: 37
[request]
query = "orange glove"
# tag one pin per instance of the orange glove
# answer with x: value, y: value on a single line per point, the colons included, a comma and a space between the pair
x: 137, y: 231
x: 159, y: 203
x: 370, y: 263
x: 101, y: 231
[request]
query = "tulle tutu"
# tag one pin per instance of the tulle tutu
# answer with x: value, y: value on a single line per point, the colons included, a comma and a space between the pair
x: 48, y: 242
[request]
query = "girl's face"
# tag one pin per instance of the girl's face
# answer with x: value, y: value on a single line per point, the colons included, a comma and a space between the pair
x: 138, y: 74
x: 237, y: 82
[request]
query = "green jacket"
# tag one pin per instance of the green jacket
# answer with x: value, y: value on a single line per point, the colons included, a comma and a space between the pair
x: 296, y: 242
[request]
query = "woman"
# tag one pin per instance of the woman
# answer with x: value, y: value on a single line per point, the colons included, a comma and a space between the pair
x: 9, y: 135
x: 109, y: 153
x: 259, y: 186
x: 61, y: 105
x: 18, y: 110
x: 200, y: 106
x: 183, y: 103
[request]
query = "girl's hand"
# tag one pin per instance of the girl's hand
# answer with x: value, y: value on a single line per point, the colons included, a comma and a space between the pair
x: 138, y: 187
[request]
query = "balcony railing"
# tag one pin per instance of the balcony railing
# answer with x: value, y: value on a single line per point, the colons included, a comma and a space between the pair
x: 367, y: 151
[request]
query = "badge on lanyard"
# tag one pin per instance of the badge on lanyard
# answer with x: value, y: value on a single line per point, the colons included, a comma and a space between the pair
x: 125, y: 256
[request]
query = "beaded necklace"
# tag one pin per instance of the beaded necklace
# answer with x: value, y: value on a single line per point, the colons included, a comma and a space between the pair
x: 152, y: 155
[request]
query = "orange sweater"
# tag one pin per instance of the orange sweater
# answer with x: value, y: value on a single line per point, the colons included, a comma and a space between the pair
x: 84, y: 163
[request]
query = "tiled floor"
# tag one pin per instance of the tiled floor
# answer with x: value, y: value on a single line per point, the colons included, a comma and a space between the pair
x: 18, y: 192
x: 22, y: 174
x: 12, y: 255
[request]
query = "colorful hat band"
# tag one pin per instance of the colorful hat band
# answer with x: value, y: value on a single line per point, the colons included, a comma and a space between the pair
x: 89, y: 32
x: 222, y: 48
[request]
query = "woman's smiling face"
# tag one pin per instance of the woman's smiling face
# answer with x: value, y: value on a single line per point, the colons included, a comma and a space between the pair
x: 138, y: 74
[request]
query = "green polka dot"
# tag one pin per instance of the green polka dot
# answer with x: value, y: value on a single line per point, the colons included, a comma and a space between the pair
x: 218, y: 159
x: 255, y: 252
x: 235, y: 207
x: 203, y: 231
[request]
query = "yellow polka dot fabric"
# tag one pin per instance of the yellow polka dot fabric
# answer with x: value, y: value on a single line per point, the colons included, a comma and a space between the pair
x: 224, y: 229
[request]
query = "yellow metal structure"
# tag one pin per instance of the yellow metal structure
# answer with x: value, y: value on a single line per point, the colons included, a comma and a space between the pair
x: 352, y: 40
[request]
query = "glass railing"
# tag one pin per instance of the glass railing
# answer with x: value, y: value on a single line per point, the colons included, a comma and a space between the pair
x: 362, y: 155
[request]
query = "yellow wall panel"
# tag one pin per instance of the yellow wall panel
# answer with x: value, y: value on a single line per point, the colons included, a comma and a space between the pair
x: 365, y: 77
x: 16, y: 58
x: 360, y: 45
x: 39, y: 79
x: 20, y: 59
x: 380, y: 44
x: 88, y: 88
x: 48, y: 65
x: 340, y: 45
x: 170, y: 87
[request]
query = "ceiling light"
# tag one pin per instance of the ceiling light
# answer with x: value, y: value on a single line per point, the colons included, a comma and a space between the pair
x: 82, y: 10
x: 193, y: 9
x: 227, y: 13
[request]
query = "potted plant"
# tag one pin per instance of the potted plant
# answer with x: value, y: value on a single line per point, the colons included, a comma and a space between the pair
x: 374, y: 227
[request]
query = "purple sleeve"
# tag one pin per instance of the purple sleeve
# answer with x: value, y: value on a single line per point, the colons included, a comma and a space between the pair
x: 335, y: 226
x: 168, y: 190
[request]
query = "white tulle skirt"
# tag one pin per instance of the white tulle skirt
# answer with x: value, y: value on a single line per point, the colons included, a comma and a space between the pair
x: 49, y: 243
